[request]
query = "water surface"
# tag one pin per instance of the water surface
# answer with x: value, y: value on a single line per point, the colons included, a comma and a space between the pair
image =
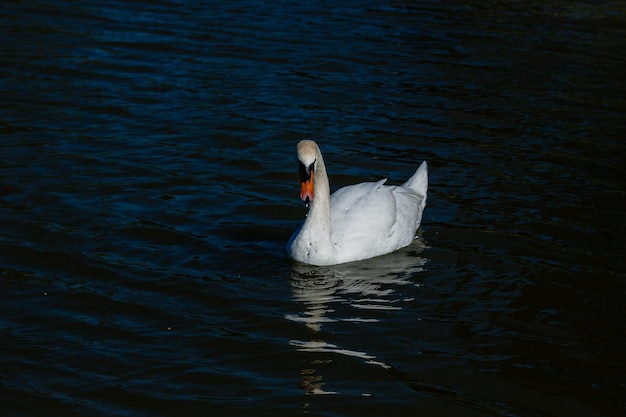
x: 148, y: 187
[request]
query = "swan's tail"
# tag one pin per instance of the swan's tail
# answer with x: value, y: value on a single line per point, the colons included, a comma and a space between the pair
x: 418, y: 184
x: 419, y: 181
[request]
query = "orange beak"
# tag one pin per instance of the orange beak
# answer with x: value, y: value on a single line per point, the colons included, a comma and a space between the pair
x: 306, y: 189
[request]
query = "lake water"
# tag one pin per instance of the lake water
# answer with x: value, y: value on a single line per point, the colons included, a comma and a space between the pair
x: 148, y: 187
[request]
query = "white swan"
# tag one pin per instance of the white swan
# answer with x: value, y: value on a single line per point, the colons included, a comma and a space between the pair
x: 358, y: 221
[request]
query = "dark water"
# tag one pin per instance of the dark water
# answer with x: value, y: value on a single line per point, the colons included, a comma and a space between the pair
x: 148, y: 188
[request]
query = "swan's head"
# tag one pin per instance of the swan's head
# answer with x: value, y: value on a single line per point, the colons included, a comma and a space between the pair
x: 308, y: 152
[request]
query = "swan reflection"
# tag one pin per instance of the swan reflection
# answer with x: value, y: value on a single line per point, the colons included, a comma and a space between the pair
x: 354, y: 292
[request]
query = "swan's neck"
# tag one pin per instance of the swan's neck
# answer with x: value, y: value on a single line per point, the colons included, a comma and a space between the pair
x: 319, y: 212
x: 316, y: 228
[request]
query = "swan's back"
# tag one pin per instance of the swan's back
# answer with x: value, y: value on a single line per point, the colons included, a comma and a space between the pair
x: 372, y: 219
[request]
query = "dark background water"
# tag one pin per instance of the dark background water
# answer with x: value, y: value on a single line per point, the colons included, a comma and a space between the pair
x: 148, y: 188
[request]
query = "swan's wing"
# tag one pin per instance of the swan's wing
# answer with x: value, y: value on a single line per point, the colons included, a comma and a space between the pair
x: 365, y: 217
x: 361, y: 209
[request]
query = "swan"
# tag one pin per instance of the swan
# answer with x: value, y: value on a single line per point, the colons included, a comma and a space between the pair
x: 357, y: 222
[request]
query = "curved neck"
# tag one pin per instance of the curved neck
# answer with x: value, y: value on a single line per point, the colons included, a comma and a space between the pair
x: 321, y: 190
x: 317, y: 223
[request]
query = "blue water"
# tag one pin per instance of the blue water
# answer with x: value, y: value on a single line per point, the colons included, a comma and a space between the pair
x: 148, y: 187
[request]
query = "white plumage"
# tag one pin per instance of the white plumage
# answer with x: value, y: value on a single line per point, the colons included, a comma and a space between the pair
x: 358, y: 221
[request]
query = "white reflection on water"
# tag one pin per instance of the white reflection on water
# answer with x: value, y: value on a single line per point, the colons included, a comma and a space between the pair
x: 366, y: 285
x: 366, y: 288
x: 320, y: 346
